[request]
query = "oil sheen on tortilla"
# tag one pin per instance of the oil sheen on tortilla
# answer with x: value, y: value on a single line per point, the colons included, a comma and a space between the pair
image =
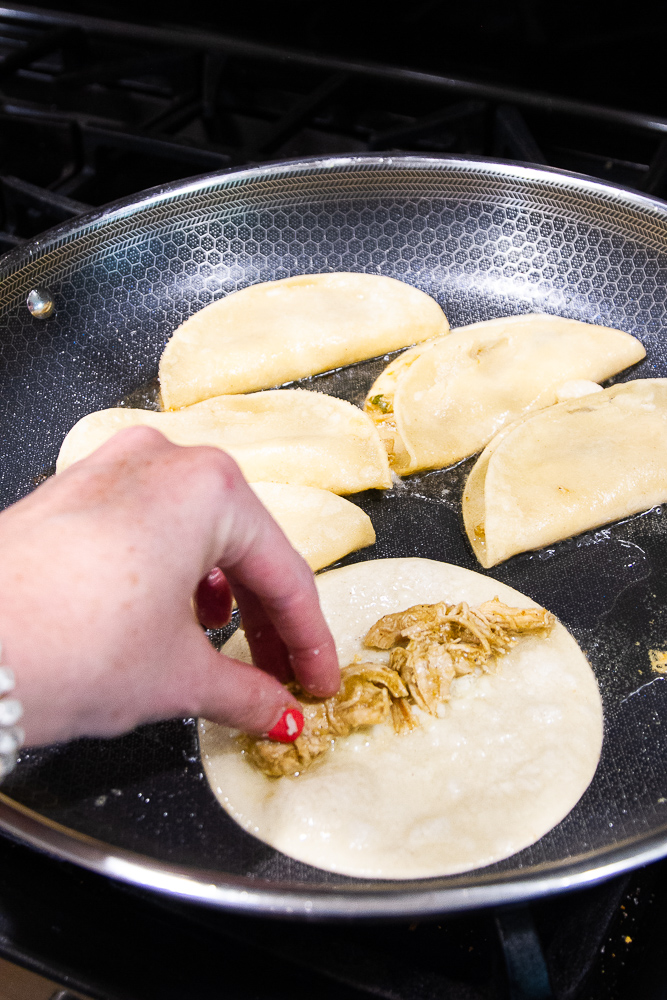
x: 321, y: 526
x: 281, y: 436
x: 278, y: 331
x: 513, y: 754
x: 586, y: 462
x: 444, y: 400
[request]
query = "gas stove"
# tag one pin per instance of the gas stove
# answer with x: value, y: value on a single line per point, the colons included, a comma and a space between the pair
x: 96, y: 108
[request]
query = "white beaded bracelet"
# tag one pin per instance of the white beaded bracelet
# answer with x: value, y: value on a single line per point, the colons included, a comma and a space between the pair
x: 11, y: 710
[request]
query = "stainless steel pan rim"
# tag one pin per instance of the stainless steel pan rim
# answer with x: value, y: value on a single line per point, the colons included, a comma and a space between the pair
x: 262, y: 898
x: 223, y: 180
x: 33, y: 264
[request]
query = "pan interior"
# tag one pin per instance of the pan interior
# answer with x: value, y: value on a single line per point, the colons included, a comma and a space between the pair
x: 485, y: 241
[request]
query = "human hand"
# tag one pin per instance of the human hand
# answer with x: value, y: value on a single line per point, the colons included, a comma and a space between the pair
x: 99, y: 567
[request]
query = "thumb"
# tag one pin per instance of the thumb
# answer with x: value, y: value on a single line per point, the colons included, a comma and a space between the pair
x: 244, y: 697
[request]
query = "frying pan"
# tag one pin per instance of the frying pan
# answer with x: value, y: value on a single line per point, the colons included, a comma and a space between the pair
x: 485, y: 239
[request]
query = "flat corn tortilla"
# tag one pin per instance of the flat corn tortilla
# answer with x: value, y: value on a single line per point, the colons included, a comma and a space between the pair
x: 512, y: 755
x: 283, y: 436
x: 575, y: 466
x: 321, y: 526
x: 442, y: 401
x: 280, y: 331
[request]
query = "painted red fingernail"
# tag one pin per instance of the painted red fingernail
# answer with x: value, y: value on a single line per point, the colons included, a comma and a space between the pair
x: 213, y: 600
x: 288, y: 726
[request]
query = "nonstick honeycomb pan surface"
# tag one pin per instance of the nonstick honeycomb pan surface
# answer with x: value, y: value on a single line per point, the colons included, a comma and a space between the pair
x: 485, y: 239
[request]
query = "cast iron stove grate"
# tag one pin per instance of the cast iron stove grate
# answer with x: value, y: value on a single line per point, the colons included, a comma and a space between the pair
x: 93, y: 110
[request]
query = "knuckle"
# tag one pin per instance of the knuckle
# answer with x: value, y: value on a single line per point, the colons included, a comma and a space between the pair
x: 139, y: 436
x: 215, y: 465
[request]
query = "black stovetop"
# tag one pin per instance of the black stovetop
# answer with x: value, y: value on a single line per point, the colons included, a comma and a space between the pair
x: 119, y: 943
x: 92, y: 110
x: 573, y: 48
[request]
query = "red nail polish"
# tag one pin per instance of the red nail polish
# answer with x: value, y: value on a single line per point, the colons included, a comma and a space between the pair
x: 288, y: 726
x: 213, y: 600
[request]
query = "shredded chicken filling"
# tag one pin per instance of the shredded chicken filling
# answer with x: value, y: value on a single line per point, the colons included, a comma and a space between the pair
x: 428, y: 646
x: 381, y: 409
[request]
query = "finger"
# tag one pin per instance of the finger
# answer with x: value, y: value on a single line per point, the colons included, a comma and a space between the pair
x: 244, y: 697
x: 213, y: 600
x: 268, y: 650
x: 282, y: 603
x: 257, y: 556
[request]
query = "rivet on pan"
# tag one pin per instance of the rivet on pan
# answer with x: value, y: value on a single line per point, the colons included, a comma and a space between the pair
x: 40, y: 303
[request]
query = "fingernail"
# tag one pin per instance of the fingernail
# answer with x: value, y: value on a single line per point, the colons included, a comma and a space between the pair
x: 288, y: 726
x: 213, y: 600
